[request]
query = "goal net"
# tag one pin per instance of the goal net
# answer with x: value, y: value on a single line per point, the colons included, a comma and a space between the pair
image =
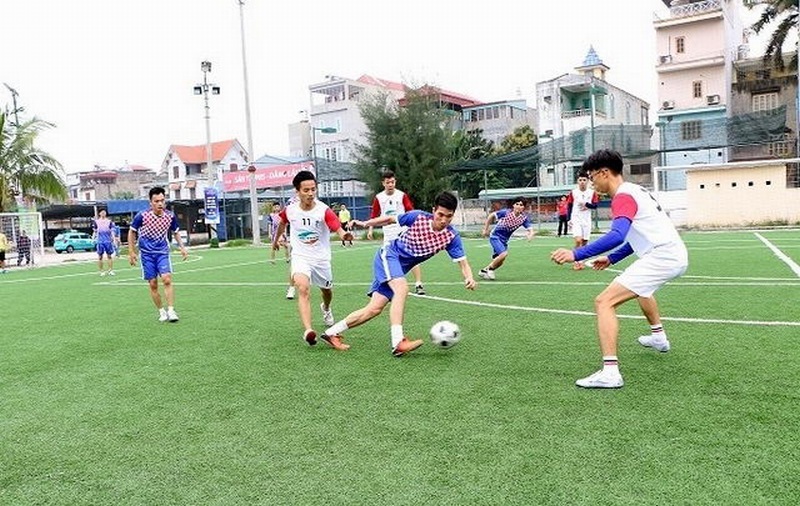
x: 13, y: 224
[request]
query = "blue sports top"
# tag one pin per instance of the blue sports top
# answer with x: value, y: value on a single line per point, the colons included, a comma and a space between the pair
x: 420, y: 242
x: 153, y: 230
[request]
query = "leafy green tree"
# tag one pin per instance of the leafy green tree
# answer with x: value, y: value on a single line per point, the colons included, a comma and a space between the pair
x: 471, y: 145
x: 521, y: 138
x: 785, y: 13
x: 24, y: 166
x: 411, y: 140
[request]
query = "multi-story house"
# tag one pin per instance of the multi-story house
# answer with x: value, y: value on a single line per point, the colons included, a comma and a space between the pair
x: 187, y: 167
x: 499, y: 119
x: 581, y: 112
x: 764, y: 101
x: 697, y: 44
x: 102, y: 184
x: 333, y: 126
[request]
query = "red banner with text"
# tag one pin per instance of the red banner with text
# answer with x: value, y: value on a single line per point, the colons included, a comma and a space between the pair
x: 266, y: 177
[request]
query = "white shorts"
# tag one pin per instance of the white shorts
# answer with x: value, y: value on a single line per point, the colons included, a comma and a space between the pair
x: 582, y: 229
x: 649, y: 273
x: 318, y: 271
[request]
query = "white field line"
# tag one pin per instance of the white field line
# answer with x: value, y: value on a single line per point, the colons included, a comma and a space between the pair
x: 781, y: 255
x: 627, y: 317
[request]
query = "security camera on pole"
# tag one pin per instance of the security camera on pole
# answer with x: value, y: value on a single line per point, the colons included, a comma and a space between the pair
x: 210, y: 192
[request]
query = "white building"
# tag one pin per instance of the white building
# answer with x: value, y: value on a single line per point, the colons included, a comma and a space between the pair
x: 186, y: 167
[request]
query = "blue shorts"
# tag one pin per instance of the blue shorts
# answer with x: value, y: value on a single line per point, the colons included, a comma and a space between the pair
x: 386, y: 267
x: 155, y: 265
x: 498, y: 245
x: 105, y: 248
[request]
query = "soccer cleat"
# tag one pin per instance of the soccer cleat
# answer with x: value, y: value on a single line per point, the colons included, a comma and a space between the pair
x: 112, y: 273
x: 327, y: 315
x: 336, y: 342
x: 162, y: 315
x: 484, y: 274
x: 406, y: 346
x: 290, y: 293
x: 172, y: 315
x: 310, y: 337
x: 419, y: 290
x: 102, y: 273
x: 601, y: 379
x: 650, y: 341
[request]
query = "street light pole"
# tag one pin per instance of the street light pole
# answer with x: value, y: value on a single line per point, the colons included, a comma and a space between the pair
x: 324, y: 130
x: 255, y: 225
x: 204, y: 89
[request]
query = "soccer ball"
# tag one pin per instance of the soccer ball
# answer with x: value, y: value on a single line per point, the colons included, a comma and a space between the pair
x: 445, y: 334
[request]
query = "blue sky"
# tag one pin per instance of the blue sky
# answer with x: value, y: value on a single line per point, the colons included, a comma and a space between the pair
x: 116, y: 76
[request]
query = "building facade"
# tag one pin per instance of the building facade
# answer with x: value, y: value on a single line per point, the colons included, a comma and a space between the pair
x: 697, y: 44
x: 103, y: 184
x: 187, y: 167
x: 581, y: 112
x: 499, y: 119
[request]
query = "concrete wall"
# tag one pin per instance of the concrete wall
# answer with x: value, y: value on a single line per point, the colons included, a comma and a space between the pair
x: 740, y: 194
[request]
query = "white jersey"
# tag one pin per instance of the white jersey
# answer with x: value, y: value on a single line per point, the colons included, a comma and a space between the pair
x: 579, y: 199
x: 650, y: 225
x: 391, y: 205
x: 310, y: 231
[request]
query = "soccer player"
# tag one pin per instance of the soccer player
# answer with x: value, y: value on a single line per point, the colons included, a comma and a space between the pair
x: 580, y: 201
x: 508, y: 220
x: 274, y: 221
x: 392, y: 202
x: 311, y: 222
x: 103, y: 234
x: 344, y: 219
x: 3, y: 250
x: 639, y: 226
x: 427, y: 234
x: 152, y: 227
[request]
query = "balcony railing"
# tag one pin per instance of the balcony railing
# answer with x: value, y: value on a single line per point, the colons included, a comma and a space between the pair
x: 582, y: 112
x: 694, y: 8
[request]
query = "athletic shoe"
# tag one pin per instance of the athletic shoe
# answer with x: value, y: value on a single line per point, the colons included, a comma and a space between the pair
x: 336, y: 342
x: 406, y: 346
x: 310, y: 337
x: 601, y: 379
x: 290, y: 293
x: 102, y: 273
x: 162, y: 315
x: 483, y: 273
x: 327, y: 315
x: 419, y: 290
x: 651, y: 341
x: 490, y: 273
x: 172, y: 315
x: 112, y: 273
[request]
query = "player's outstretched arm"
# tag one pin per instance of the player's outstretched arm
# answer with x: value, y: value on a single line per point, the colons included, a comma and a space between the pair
x: 466, y: 271
x: 375, y: 222
x: 562, y: 256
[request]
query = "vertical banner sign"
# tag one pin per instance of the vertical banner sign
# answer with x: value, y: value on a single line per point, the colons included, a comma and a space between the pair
x: 212, y: 206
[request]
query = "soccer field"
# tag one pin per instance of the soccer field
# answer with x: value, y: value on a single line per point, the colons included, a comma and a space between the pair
x: 102, y: 404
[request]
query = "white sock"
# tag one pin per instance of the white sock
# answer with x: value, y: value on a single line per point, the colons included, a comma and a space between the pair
x: 611, y: 364
x: 337, y: 328
x: 657, y: 331
x: 397, y: 335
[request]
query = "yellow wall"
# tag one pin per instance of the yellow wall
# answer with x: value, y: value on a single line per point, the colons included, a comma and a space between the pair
x: 720, y: 203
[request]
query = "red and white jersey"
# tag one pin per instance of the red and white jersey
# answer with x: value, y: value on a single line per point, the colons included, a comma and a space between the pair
x: 310, y: 231
x: 650, y: 225
x: 579, y: 199
x: 391, y: 205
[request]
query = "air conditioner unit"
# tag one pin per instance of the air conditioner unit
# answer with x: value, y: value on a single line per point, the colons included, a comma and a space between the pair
x: 668, y: 104
x: 665, y: 58
x: 712, y: 99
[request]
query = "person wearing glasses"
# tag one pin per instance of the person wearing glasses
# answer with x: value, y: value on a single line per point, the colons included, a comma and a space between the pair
x: 639, y: 226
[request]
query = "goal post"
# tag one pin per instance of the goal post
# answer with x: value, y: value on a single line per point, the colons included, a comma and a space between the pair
x: 12, y: 225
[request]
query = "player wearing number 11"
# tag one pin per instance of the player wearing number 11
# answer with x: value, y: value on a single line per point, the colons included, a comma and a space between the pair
x: 639, y: 226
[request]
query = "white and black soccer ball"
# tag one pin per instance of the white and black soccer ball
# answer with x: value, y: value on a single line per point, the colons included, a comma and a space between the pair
x: 445, y: 334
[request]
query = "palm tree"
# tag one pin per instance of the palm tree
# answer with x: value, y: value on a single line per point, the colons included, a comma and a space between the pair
x: 786, y: 14
x: 24, y: 167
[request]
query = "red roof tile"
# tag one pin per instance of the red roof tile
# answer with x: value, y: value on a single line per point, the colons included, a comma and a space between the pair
x: 197, y: 154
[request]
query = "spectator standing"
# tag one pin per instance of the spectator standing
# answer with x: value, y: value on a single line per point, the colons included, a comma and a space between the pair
x: 24, y: 249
